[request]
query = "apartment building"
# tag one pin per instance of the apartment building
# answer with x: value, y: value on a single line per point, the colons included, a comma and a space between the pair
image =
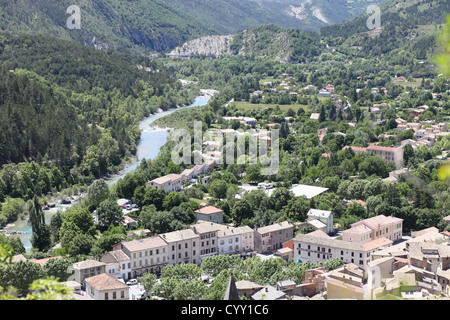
x: 318, y: 247
x: 117, y: 262
x: 247, y: 238
x: 208, y: 232
x: 235, y: 240
x: 390, y: 154
x: 183, y: 246
x: 88, y: 268
x: 374, y: 228
x: 271, y: 238
x: 147, y: 255
x: 170, y: 183
x: 229, y: 241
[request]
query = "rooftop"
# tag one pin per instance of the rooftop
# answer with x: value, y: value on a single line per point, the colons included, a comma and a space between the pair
x: 209, y: 210
x: 341, y: 244
x: 319, y: 213
x: 165, y: 179
x: 307, y: 191
x: 179, y: 235
x: 88, y: 264
x: 144, y: 244
x: 103, y: 282
x: 275, y: 227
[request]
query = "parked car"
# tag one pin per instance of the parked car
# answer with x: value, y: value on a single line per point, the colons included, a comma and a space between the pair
x: 132, y: 282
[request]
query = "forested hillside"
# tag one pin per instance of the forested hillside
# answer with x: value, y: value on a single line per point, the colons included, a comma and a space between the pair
x: 146, y: 26
x: 73, y: 109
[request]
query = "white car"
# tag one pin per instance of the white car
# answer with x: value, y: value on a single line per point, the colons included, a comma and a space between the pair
x: 132, y: 282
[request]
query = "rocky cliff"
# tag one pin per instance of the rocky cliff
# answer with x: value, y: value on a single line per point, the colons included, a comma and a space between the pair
x: 205, y: 46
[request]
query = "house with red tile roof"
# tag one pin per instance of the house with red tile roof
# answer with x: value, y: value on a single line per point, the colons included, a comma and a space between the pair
x: 107, y: 287
x: 209, y: 214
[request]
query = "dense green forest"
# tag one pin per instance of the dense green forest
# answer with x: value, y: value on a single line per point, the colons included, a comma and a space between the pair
x: 69, y: 113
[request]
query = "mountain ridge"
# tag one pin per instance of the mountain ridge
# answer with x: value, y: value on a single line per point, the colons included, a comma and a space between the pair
x: 149, y: 26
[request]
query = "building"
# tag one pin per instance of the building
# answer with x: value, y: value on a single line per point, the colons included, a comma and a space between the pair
x: 390, y: 154
x: 330, y: 88
x: 209, y: 214
x: 315, y: 116
x: 147, y: 255
x: 324, y: 94
x: 88, y: 268
x: 170, y: 183
x: 247, y: 238
x: 318, y: 247
x: 117, y: 262
x: 106, y: 287
x: 208, y: 232
x: 271, y: 238
x: 345, y: 282
x: 323, y: 216
x: 247, y: 288
x: 374, y: 228
x: 307, y: 191
x: 183, y: 247
x: 269, y: 293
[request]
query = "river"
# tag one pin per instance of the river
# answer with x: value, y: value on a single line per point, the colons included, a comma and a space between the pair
x: 151, y: 142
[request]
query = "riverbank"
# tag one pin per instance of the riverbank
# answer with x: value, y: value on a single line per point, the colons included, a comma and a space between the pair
x: 152, y: 139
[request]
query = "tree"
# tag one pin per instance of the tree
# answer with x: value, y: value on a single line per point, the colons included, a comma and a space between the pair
x: 297, y: 208
x: 148, y: 280
x: 241, y: 210
x: 214, y: 265
x: 58, y: 268
x: 109, y: 213
x: 154, y: 197
x: 41, y: 238
x: 20, y: 275
x: 96, y: 193
x: 218, y: 189
x: 174, y: 199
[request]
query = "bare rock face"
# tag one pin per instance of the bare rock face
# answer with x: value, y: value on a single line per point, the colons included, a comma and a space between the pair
x: 205, y: 46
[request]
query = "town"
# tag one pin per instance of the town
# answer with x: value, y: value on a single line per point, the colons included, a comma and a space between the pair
x: 266, y: 157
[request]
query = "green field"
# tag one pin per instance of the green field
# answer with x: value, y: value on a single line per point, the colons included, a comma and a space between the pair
x: 245, y: 106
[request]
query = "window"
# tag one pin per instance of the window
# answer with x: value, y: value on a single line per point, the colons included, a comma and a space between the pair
x: 114, y: 296
x: 361, y: 262
x: 122, y: 294
x: 106, y: 296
